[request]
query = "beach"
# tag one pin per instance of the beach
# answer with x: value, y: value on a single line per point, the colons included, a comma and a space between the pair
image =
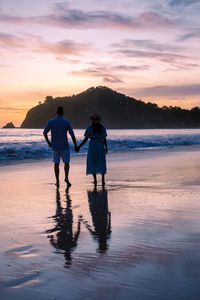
x: 139, y: 238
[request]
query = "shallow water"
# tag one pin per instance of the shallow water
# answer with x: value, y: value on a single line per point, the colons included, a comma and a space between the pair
x: 137, y: 239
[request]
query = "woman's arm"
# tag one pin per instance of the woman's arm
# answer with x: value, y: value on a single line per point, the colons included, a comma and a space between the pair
x: 82, y: 143
x: 105, y: 144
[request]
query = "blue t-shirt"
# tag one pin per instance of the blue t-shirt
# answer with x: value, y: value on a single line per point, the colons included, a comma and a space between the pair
x: 59, y: 127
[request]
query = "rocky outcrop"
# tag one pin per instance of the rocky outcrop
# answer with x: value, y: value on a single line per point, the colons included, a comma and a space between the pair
x: 9, y: 125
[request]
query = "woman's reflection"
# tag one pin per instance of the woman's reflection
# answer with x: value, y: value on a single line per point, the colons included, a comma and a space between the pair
x: 64, y: 239
x: 101, y: 218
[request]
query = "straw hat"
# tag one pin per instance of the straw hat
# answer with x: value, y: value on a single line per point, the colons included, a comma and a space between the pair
x: 95, y: 118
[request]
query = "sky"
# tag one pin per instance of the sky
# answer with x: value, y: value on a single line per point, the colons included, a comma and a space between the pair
x: 146, y: 49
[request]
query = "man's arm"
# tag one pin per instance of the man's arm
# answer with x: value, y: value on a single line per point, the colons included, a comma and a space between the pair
x: 47, y: 139
x: 74, y: 141
x: 71, y: 132
x: 45, y: 133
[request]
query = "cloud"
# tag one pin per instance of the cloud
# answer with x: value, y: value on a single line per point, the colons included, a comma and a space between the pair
x: 74, y: 18
x: 108, y: 72
x: 5, y: 66
x: 67, y: 60
x: 9, y: 40
x: 65, y: 17
x: 190, y: 35
x: 145, y: 44
x: 154, y: 19
x: 129, y: 68
x: 61, y: 7
x: 149, y: 49
x: 98, y: 71
x: 11, y: 19
x: 164, y: 57
x: 15, y: 109
x: 168, y: 90
x: 64, y: 47
x: 112, y: 79
x: 182, y: 66
x: 38, y: 45
x: 173, y: 3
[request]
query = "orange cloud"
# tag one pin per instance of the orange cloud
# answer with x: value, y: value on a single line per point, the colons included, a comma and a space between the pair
x: 9, y: 40
x: 63, y: 47
x: 37, y: 44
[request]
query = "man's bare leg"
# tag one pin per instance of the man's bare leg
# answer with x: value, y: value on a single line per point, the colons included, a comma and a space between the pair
x: 103, y: 180
x: 56, y: 170
x: 66, y: 168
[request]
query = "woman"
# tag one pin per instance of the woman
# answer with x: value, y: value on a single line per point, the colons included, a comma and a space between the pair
x: 96, y: 160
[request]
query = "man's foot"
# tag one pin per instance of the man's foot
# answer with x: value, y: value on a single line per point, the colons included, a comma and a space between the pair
x: 68, y: 183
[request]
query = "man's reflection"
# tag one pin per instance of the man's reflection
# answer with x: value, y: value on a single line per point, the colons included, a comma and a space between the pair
x: 101, y: 218
x: 64, y: 239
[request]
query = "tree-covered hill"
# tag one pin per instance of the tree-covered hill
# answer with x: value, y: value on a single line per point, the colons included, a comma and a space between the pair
x: 117, y: 110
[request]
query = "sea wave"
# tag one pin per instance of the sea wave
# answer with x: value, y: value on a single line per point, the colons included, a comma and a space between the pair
x: 33, y: 146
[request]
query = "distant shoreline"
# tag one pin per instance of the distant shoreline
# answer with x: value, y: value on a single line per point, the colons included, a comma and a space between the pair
x: 142, y: 128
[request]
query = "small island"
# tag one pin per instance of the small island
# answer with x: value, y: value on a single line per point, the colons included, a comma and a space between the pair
x: 117, y: 110
x: 9, y: 125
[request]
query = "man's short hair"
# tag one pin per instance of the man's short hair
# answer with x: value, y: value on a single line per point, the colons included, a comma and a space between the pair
x: 60, y: 111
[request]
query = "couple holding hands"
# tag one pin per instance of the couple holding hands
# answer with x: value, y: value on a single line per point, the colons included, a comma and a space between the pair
x: 96, y: 133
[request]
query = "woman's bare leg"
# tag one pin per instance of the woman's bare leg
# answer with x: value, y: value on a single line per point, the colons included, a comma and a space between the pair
x: 95, y: 179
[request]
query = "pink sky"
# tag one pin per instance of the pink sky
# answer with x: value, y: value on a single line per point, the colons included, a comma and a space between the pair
x: 146, y: 49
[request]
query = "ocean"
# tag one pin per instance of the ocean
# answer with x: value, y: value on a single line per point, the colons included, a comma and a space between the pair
x: 23, y: 144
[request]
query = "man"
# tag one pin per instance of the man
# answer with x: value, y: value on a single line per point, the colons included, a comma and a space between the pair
x: 59, y: 142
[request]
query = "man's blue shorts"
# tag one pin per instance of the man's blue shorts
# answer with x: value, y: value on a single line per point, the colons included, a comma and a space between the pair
x: 65, y: 155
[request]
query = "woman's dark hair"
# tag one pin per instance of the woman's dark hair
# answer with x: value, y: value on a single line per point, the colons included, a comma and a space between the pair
x: 96, y: 128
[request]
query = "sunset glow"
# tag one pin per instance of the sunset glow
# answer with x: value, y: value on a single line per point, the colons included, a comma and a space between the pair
x: 145, y: 49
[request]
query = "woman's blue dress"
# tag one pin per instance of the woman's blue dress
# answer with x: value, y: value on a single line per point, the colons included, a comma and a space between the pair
x: 96, y: 158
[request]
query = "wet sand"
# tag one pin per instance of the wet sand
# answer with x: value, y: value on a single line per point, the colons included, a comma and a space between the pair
x: 139, y: 238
